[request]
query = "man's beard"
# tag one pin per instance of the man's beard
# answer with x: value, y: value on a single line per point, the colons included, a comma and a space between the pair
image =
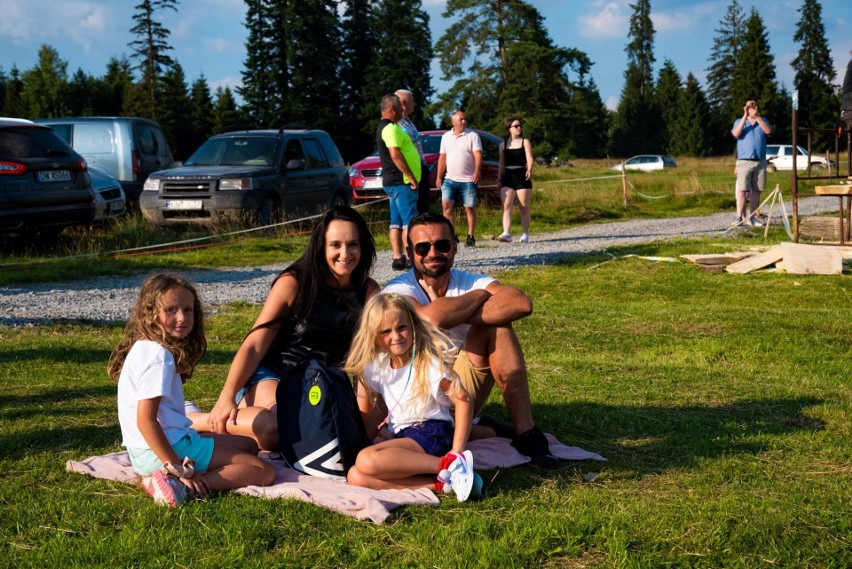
x: 436, y: 272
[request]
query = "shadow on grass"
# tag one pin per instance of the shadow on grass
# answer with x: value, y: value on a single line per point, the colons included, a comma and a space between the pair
x: 651, y: 439
x: 68, y: 355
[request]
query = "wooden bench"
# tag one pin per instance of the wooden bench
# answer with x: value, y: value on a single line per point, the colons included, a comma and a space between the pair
x: 841, y: 191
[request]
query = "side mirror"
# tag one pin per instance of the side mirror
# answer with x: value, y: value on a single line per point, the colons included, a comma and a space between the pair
x: 296, y: 164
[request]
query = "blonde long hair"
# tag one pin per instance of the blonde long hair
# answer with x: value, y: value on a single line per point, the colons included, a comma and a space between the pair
x: 429, y: 345
x: 144, y: 324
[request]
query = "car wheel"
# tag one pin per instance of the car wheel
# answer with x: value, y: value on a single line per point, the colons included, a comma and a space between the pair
x: 771, y: 167
x: 267, y: 212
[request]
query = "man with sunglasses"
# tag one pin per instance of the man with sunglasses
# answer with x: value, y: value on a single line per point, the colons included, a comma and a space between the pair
x: 476, y: 312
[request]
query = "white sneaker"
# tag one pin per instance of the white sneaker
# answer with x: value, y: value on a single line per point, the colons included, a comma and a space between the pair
x: 504, y: 238
x: 462, y: 475
x: 755, y: 222
x: 190, y: 407
x: 524, y: 238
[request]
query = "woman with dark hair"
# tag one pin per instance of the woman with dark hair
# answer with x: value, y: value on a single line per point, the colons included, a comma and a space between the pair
x: 311, y: 312
x: 513, y: 179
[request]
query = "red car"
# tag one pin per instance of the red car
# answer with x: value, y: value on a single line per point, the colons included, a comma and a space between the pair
x: 365, y: 176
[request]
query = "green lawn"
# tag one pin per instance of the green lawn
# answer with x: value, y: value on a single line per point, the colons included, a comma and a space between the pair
x: 722, y: 402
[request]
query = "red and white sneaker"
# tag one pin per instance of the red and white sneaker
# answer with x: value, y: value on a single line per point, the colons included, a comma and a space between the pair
x: 460, y: 474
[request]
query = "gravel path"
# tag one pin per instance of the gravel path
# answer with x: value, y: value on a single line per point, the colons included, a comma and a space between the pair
x: 108, y: 299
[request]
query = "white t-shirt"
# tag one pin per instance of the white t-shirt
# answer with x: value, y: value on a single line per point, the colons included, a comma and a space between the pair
x: 459, y: 148
x: 395, y: 389
x: 149, y: 372
x: 461, y: 282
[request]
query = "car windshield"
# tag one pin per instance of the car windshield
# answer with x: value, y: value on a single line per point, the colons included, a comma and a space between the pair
x: 431, y: 143
x: 236, y: 151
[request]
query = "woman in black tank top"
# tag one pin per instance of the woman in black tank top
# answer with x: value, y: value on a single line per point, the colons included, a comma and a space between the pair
x: 311, y: 312
x: 514, y: 179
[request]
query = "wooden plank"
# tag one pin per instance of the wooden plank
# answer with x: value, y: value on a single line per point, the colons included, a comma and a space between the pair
x: 802, y: 259
x: 723, y: 259
x: 836, y: 190
x: 756, y: 262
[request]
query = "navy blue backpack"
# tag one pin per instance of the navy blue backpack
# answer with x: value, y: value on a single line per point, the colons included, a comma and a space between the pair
x: 320, y: 430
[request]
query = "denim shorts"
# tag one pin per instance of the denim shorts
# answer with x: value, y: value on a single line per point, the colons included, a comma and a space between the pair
x: 403, y: 205
x: 193, y: 445
x: 436, y: 437
x: 452, y: 190
x: 262, y: 373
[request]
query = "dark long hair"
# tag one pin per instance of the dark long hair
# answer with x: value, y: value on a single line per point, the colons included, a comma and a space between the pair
x: 508, y: 124
x: 311, y: 270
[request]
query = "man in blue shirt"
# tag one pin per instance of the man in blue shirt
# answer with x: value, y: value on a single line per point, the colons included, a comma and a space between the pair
x: 750, y: 131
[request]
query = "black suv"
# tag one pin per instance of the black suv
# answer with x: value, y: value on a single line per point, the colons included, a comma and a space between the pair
x: 259, y: 174
x: 44, y: 184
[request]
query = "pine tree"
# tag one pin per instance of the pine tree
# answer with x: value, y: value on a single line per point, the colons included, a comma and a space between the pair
x: 265, y: 77
x: 45, y: 86
x: 225, y: 113
x: 720, y: 76
x: 13, y: 106
x: 118, y: 88
x: 689, y: 134
x: 358, y: 112
x: 667, y: 92
x: 150, y: 49
x: 815, y: 76
x: 313, y: 48
x: 201, y: 110
x: 176, y: 112
x: 754, y: 77
x: 637, y: 126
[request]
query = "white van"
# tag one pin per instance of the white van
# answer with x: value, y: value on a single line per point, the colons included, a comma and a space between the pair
x: 129, y: 148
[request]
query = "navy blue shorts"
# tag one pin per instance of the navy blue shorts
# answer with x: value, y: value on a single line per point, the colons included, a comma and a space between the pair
x: 436, y: 437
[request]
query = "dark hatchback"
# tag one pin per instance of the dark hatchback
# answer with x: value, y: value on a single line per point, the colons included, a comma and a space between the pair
x: 44, y: 184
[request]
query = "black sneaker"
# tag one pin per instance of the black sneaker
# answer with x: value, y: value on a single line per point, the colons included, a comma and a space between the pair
x: 470, y: 242
x: 399, y: 264
x: 534, y: 445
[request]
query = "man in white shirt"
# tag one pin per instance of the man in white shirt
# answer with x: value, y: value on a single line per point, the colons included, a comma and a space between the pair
x: 460, y: 158
x: 477, y: 312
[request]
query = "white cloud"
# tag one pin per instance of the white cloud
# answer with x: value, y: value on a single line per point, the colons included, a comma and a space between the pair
x: 610, y: 21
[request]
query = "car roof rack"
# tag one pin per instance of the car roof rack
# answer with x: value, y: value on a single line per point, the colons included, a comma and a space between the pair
x: 293, y: 127
x: 237, y: 127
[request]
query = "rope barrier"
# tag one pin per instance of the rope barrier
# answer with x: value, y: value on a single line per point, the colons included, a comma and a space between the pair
x: 170, y: 246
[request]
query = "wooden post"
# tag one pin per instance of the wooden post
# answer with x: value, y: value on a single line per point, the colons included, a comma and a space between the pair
x: 624, y: 185
x: 794, y: 178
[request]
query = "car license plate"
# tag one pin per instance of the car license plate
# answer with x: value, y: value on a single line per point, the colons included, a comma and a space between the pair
x: 370, y: 184
x: 183, y: 204
x: 115, y: 206
x: 53, y: 175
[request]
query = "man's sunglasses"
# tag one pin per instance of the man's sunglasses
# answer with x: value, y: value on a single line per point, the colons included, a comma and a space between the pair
x: 442, y: 245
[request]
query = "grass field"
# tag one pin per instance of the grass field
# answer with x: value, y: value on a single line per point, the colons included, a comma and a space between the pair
x: 722, y: 403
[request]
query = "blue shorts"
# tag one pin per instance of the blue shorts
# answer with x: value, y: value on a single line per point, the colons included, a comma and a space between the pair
x: 436, y: 437
x: 451, y: 190
x: 262, y: 373
x: 193, y: 445
x: 403, y: 205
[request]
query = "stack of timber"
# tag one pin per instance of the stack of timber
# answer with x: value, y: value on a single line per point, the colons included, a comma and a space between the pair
x: 793, y: 258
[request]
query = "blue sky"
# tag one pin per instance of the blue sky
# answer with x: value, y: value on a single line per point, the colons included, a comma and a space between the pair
x: 208, y: 35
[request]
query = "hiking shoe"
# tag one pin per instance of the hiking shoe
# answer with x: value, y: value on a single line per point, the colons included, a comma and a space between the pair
x: 166, y: 490
x: 470, y: 241
x: 534, y: 445
x: 399, y: 264
x: 755, y: 222
x: 458, y: 476
x: 504, y: 238
x: 502, y: 429
x: 190, y: 407
x: 524, y: 238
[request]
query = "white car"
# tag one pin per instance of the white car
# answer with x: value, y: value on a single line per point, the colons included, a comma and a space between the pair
x: 647, y: 163
x: 780, y: 157
x: 110, y: 199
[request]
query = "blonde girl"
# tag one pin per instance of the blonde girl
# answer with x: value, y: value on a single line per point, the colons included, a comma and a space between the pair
x: 163, y: 341
x: 399, y: 364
